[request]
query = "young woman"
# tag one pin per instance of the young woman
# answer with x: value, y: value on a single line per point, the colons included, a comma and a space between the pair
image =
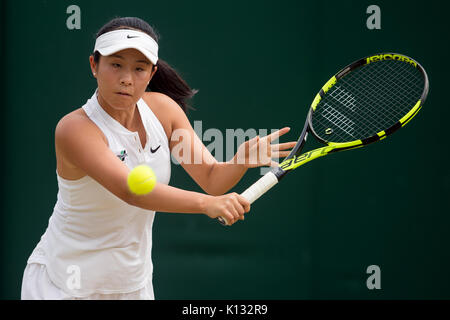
x: 98, y: 241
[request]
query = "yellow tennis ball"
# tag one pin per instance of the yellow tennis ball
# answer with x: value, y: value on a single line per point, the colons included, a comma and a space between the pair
x: 141, y: 180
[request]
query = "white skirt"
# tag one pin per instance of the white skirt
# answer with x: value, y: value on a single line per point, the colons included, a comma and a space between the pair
x: 36, y: 285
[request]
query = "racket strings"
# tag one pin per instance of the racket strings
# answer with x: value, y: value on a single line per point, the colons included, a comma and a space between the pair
x: 368, y: 100
x: 340, y: 120
x: 385, y: 113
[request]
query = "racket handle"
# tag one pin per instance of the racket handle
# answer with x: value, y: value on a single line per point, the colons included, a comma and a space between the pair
x: 260, y: 187
x: 256, y: 190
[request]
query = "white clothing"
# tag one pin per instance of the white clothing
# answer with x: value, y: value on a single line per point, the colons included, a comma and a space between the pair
x: 36, y: 285
x: 106, y: 240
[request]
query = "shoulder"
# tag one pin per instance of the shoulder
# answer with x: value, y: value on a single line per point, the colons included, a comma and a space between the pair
x: 76, y: 139
x: 159, y: 101
x: 77, y: 123
x: 165, y: 109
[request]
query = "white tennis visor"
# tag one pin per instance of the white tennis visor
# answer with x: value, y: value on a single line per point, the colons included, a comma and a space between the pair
x: 113, y: 41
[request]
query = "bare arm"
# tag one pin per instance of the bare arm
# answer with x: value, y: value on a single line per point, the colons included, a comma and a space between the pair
x: 212, y: 176
x: 251, y: 154
x: 80, y: 142
x: 228, y: 173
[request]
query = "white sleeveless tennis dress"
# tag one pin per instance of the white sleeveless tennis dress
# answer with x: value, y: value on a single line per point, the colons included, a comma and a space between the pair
x: 97, y: 246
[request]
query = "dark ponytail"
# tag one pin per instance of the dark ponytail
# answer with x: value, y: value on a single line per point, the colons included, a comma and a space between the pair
x: 166, y: 80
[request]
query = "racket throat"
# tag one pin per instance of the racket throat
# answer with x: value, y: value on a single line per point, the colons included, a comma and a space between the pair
x: 279, y: 173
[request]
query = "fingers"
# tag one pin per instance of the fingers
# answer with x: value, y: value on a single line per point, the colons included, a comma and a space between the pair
x: 259, y: 151
x: 253, y: 141
x: 280, y: 154
x: 277, y: 149
x: 228, y: 217
x: 230, y: 207
x: 284, y: 146
x: 238, y: 207
x: 236, y: 211
x: 244, y: 202
x: 277, y: 134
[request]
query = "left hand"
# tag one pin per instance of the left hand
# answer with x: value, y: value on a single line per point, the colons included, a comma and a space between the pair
x: 258, y: 152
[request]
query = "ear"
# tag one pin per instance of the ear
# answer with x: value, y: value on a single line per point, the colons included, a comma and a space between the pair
x: 153, y: 72
x: 93, y: 66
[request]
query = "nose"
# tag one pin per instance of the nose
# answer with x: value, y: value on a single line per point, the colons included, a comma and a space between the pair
x: 126, y: 78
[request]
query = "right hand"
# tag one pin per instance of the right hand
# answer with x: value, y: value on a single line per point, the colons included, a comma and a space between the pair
x: 230, y: 206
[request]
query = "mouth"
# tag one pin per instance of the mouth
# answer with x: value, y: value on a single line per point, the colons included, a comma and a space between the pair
x: 124, y: 94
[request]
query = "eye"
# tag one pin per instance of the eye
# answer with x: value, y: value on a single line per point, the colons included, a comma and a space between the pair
x: 140, y: 69
x: 115, y: 65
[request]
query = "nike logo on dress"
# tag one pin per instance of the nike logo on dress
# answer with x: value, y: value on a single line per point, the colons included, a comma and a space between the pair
x: 129, y: 37
x: 154, y: 150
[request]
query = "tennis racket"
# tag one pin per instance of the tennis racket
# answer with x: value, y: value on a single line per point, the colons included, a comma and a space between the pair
x: 364, y: 102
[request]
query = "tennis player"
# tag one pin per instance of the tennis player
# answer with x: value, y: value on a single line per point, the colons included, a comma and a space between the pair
x: 99, y: 238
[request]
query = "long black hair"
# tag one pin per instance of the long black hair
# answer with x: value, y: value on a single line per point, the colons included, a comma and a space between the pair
x: 166, y: 80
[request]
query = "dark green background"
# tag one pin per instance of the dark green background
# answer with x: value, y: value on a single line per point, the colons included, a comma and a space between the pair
x: 257, y: 64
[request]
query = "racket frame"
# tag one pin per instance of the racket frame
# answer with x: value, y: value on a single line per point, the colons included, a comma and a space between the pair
x: 295, y: 159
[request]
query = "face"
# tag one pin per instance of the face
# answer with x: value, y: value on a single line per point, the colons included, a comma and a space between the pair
x: 122, y: 78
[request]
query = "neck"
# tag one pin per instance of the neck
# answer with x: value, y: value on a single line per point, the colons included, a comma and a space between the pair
x: 126, y: 116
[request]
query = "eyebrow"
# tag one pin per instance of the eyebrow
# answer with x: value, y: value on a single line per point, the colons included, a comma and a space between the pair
x: 119, y: 56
